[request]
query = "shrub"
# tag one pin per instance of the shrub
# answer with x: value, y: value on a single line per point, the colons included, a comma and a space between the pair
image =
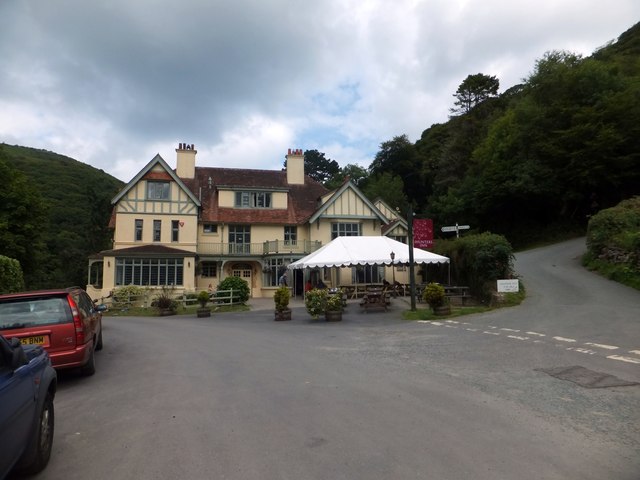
x: 238, y: 285
x: 165, y: 301
x: 615, y: 232
x: 203, y: 298
x: 281, y: 298
x: 128, y: 296
x: 334, y: 302
x: 434, y: 295
x: 478, y: 261
x: 315, y: 301
x: 11, y: 278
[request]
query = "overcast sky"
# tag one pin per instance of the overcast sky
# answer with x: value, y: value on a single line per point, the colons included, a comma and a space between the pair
x: 112, y: 83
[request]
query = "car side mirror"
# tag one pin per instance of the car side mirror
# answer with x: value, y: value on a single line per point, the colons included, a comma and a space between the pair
x: 101, y: 308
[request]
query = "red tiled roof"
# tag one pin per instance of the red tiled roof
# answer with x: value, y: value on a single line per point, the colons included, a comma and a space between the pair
x: 303, y: 199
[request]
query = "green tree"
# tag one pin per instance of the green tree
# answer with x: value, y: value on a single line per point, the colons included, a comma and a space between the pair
x: 22, y: 216
x: 320, y: 168
x: 399, y: 157
x: 11, y: 279
x: 389, y: 188
x: 357, y: 174
x: 474, y: 90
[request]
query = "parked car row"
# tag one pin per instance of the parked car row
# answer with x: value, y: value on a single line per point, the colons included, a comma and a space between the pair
x: 40, y: 332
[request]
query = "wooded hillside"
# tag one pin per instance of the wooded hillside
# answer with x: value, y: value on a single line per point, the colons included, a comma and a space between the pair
x: 54, y: 213
x: 540, y: 158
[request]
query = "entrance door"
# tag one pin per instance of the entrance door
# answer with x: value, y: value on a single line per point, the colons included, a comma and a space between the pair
x: 245, y: 274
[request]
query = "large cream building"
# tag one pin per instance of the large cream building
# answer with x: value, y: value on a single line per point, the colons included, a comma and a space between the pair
x: 194, y: 226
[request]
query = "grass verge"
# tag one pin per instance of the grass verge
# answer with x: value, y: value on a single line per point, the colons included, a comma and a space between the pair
x: 508, y: 300
x: 618, y: 272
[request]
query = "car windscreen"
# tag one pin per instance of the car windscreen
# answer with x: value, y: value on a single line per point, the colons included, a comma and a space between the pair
x: 35, y: 311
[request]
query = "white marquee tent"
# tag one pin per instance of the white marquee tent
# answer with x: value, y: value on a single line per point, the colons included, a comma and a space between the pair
x: 374, y: 250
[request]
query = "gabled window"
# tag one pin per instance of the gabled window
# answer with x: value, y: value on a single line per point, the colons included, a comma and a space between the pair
x: 138, y: 233
x: 345, y: 230
x: 158, y: 190
x: 253, y: 200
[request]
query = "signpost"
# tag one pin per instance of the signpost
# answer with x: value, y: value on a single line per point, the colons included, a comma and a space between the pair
x: 455, y: 228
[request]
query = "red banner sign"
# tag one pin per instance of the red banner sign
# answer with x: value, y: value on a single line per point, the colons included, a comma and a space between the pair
x: 423, y: 233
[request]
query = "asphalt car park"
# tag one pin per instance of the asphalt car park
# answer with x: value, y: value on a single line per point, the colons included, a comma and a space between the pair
x: 241, y: 396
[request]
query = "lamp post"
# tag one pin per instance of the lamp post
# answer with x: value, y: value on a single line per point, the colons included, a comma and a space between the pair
x: 412, y: 278
x: 393, y: 268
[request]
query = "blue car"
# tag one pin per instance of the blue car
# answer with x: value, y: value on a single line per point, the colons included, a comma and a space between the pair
x: 27, y: 387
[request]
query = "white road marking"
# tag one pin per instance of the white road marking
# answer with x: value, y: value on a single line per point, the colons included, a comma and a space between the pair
x: 562, y: 339
x: 624, y: 359
x: 536, y: 334
x: 585, y: 350
x: 451, y: 321
x: 635, y: 352
x: 517, y: 337
x: 472, y: 329
x: 491, y: 333
x: 491, y: 326
x: 509, y: 330
x: 600, y: 345
x: 451, y: 326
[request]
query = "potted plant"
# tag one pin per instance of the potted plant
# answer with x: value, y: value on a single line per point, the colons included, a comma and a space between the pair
x: 333, y: 307
x: 203, y: 299
x: 281, y: 300
x: 434, y: 295
x: 315, y: 300
x: 165, y: 303
x: 319, y: 301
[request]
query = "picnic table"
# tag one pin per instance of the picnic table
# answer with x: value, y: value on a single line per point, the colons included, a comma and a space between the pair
x: 375, y: 299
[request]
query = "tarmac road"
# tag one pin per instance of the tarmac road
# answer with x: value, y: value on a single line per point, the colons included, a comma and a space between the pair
x: 239, y: 396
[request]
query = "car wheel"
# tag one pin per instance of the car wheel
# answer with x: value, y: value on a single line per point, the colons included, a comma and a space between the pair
x: 89, y: 368
x: 99, y: 342
x: 39, y: 450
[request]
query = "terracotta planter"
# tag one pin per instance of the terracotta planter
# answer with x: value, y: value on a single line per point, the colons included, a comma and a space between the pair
x: 283, y: 315
x: 203, y: 312
x: 333, y: 316
x: 165, y: 312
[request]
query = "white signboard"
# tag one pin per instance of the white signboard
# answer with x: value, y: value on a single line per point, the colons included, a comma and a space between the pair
x: 508, y: 286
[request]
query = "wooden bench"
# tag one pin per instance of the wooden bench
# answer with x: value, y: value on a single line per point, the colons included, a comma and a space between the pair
x: 375, y: 300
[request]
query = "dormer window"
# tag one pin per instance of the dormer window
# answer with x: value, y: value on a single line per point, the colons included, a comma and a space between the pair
x: 253, y: 200
x: 157, y: 190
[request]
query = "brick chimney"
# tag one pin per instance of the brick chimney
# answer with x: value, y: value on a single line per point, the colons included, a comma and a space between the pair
x: 186, y: 161
x: 295, y: 167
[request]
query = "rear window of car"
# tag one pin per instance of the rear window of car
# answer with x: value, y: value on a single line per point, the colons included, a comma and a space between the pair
x: 28, y: 312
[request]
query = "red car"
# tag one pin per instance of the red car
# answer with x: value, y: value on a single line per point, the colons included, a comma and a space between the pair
x: 65, y: 322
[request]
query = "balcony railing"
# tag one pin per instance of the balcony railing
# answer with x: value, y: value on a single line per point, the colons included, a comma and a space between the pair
x: 270, y: 247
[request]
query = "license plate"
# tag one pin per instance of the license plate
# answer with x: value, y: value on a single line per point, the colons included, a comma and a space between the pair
x: 39, y: 340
